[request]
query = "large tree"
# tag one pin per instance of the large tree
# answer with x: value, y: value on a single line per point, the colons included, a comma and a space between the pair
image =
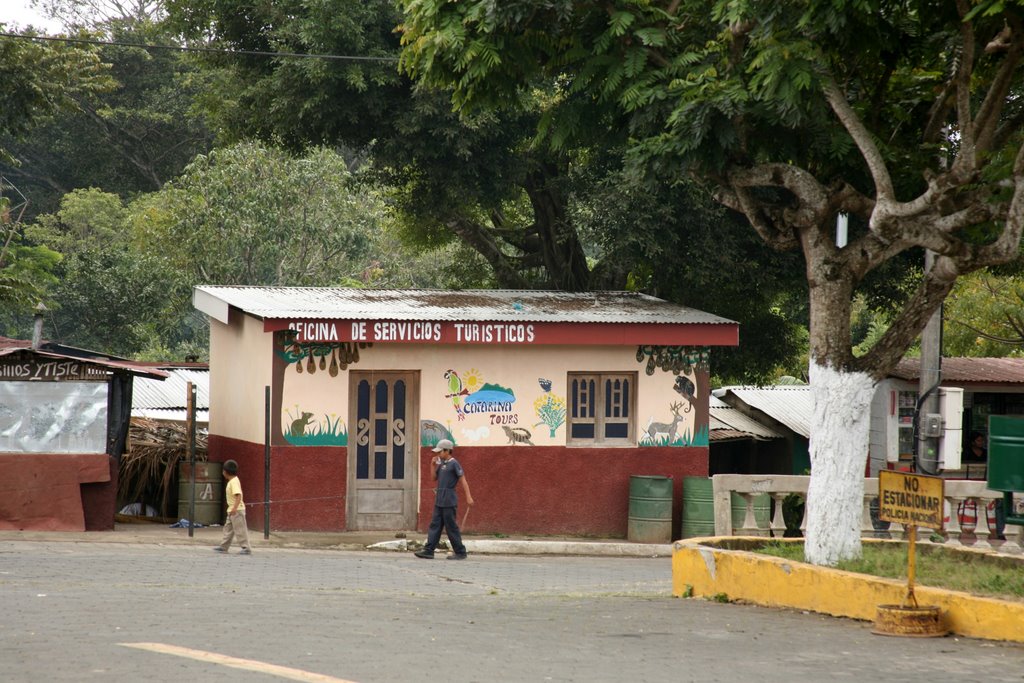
x: 542, y: 211
x: 904, y: 115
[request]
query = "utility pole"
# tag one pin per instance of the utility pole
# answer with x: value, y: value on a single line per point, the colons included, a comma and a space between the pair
x: 928, y: 422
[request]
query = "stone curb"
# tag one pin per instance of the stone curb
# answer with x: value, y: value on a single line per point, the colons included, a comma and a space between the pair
x: 702, y: 569
x: 513, y: 547
x: 348, y: 541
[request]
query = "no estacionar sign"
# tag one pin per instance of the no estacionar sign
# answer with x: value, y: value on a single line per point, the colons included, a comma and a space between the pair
x: 910, y: 499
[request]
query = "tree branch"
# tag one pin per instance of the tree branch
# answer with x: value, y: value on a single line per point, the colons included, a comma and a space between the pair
x: 476, y: 236
x: 962, y: 79
x: 862, y: 138
x: 933, y: 289
x: 987, y: 120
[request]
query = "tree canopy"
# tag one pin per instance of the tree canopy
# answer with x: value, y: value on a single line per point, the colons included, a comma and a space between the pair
x: 905, y: 116
x: 528, y: 208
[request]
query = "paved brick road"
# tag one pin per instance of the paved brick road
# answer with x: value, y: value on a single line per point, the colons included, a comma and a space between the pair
x: 68, y: 609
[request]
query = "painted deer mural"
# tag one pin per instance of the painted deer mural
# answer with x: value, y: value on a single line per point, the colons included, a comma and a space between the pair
x: 667, y: 428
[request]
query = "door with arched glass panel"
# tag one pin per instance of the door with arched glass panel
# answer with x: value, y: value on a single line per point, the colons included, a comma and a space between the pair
x: 382, y: 451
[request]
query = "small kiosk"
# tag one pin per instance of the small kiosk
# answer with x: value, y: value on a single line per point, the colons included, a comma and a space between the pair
x: 553, y: 400
x: 64, y: 415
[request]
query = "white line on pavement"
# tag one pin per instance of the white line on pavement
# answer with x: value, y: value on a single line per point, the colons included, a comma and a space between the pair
x: 237, y: 663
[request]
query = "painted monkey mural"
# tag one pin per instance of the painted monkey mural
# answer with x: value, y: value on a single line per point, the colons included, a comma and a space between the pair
x: 681, y: 361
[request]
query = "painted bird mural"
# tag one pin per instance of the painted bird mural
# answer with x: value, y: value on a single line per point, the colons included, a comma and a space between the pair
x: 455, y: 392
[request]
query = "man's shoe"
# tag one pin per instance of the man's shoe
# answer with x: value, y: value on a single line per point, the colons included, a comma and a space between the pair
x: 456, y: 556
x: 218, y: 549
x: 245, y: 551
x: 424, y: 554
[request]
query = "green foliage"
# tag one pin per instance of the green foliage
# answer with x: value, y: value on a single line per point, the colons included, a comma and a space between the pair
x: 102, y: 287
x: 132, y: 138
x: 251, y: 214
x: 724, y: 89
x: 42, y: 79
x: 984, y: 316
x: 24, y: 269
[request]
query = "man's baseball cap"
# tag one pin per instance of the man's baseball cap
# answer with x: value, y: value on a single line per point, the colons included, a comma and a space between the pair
x: 444, y: 445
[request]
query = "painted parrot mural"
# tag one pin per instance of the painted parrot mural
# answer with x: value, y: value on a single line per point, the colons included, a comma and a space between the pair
x: 455, y: 392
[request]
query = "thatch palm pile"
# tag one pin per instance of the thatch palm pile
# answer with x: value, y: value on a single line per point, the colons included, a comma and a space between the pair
x: 149, y: 467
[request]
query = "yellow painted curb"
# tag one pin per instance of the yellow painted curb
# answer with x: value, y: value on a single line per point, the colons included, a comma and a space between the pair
x: 700, y: 568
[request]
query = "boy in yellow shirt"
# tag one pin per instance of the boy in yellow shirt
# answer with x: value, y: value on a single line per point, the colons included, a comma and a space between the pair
x: 235, y: 523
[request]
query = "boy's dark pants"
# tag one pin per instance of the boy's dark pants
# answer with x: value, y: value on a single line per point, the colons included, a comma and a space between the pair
x: 444, y: 517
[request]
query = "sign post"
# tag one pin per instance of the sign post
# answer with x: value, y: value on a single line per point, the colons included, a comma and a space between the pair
x: 912, y: 500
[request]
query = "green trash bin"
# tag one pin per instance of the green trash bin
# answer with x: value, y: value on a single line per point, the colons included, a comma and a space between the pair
x: 1006, y: 464
x: 650, y: 509
x: 210, y: 508
x: 699, y: 508
x: 1005, y: 453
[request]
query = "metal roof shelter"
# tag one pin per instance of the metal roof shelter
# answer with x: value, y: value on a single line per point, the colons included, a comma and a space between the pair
x: 496, y: 305
x: 55, y: 351
x: 728, y: 423
x: 790, y: 404
x: 167, y: 399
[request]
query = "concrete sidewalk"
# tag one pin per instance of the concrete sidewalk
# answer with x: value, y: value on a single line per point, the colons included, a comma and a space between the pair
x: 394, y: 541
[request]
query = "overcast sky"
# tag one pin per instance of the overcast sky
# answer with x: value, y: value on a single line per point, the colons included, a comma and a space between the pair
x: 18, y: 12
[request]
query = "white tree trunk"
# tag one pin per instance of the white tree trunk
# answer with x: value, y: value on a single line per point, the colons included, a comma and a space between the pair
x: 839, y: 449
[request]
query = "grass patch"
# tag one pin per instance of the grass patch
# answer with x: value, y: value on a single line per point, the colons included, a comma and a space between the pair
x: 939, y: 567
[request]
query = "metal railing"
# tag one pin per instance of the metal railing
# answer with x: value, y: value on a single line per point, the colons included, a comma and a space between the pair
x: 962, y: 498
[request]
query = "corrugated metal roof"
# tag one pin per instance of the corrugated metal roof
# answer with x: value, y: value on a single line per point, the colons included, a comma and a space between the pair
x: 968, y: 370
x: 790, y: 405
x: 137, y: 369
x: 172, y: 392
x: 490, y: 305
x: 175, y: 415
x: 727, y: 423
x: 725, y: 434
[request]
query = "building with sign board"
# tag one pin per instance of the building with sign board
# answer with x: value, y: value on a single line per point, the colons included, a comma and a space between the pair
x: 64, y: 415
x: 553, y: 400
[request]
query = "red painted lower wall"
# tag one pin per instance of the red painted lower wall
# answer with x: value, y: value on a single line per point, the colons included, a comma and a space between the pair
x: 556, y: 490
x: 57, y: 491
x: 307, y: 484
x: 518, y: 490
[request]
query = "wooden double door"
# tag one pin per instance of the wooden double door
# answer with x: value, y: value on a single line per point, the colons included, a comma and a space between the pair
x: 383, y: 450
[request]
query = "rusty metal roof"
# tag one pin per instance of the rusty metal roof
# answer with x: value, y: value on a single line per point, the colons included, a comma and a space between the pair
x: 727, y: 423
x: 967, y: 370
x: 789, y: 404
x: 491, y: 305
x: 10, y: 347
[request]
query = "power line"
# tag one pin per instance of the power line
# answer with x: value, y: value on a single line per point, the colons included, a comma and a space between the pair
x: 214, y: 50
